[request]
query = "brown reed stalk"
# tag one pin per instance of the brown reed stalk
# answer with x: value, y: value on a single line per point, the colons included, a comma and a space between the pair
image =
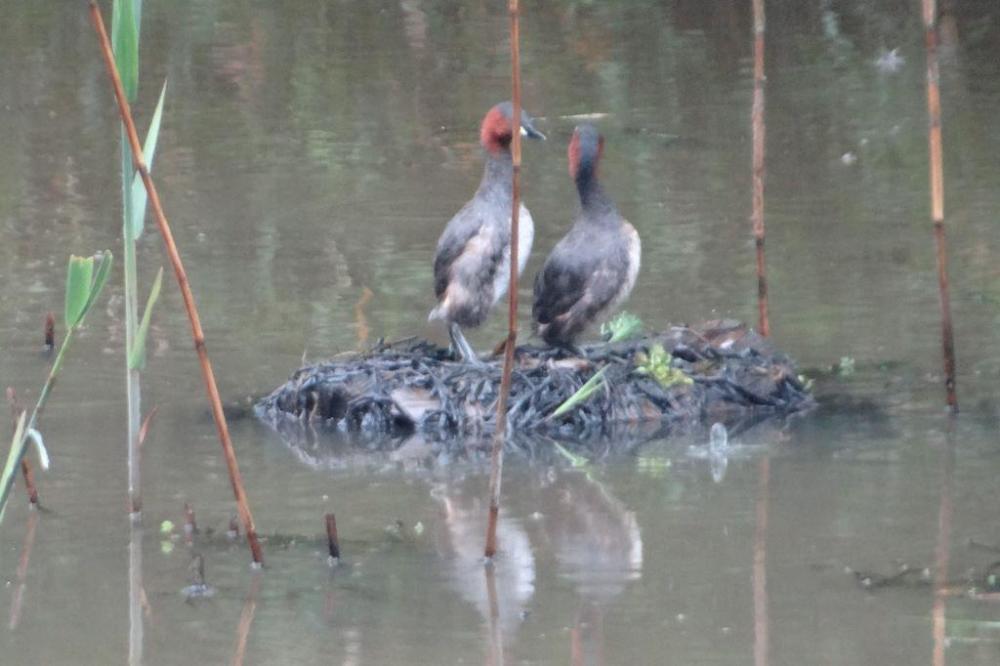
x: 757, y: 119
x: 332, y: 541
x: 197, y: 333
x: 937, y: 199
x: 29, y: 475
x: 50, y: 332
x: 496, y: 457
x: 761, y: 624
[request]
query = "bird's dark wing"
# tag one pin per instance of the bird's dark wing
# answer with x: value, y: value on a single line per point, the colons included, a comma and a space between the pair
x: 562, y: 281
x: 453, y: 242
x: 577, y: 282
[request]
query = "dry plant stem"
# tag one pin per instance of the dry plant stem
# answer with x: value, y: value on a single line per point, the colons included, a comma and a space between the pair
x: 496, y: 458
x: 175, y: 259
x: 29, y: 475
x: 761, y: 630
x: 937, y: 198
x: 332, y: 542
x: 942, y: 553
x: 190, y: 524
x: 50, y: 332
x: 757, y: 217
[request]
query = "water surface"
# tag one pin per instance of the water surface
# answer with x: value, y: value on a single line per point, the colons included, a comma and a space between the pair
x: 310, y: 154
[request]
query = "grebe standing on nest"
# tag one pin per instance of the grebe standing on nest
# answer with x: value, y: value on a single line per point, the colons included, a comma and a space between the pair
x: 592, y: 270
x: 472, y: 261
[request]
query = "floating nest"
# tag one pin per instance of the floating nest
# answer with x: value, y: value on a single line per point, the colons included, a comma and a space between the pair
x: 720, y: 371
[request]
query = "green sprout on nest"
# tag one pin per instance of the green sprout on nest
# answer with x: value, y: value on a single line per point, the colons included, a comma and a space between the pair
x: 580, y: 396
x: 625, y: 326
x: 657, y: 365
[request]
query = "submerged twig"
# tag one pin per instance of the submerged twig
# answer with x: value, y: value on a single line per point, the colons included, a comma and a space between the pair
x: 937, y: 199
x: 496, y: 456
x: 758, y: 164
x: 197, y: 333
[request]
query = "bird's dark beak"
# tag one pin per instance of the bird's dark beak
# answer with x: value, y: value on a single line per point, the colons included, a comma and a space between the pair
x: 528, y: 129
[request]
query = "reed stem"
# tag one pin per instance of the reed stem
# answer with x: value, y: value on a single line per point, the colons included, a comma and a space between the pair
x: 759, y: 173
x: 496, y: 457
x: 197, y: 333
x: 937, y: 199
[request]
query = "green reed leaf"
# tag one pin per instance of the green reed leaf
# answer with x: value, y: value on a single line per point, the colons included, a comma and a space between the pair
x: 137, y: 357
x: 138, y: 211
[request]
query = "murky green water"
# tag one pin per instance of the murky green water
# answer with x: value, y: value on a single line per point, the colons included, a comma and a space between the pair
x: 311, y: 153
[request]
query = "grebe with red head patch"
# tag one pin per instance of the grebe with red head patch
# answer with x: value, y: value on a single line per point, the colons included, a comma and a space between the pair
x: 472, y: 261
x: 592, y: 270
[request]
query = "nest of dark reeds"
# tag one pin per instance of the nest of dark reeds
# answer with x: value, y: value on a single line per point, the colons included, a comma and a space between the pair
x: 720, y: 371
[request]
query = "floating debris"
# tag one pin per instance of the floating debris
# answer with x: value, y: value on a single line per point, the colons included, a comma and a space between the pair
x: 720, y: 371
x: 890, y: 62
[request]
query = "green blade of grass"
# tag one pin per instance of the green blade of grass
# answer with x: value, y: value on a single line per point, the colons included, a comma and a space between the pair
x: 137, y: 355
x: 581, y: 394
x: 79, y: 277
x: 138, y: 211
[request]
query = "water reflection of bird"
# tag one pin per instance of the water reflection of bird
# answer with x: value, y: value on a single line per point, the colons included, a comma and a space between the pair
x: 461, y: 542
x: 472, y: 261
x: 594, y: 536
x: 592, y: 270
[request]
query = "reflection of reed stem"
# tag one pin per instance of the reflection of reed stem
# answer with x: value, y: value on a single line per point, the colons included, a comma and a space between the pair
x: 182, y: 280
x: 136, y: 596
x: 942, y: 553
x: 496, y: 459
x: 17, y: 599
x: 496, y: 634
x: 757, y: 215
x: 761, y: 629
x: 246, y: 620
x: 937, y: 198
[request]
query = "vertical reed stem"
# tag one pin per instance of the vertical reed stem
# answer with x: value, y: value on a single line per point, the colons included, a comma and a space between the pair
x: 757, y: 217
x: 197, y: 333
x: 496, y: 459
x: 937, y: 199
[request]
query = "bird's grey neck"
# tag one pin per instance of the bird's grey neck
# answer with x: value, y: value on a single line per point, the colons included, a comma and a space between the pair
x: 498, y: 175
x: 595, y: 203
